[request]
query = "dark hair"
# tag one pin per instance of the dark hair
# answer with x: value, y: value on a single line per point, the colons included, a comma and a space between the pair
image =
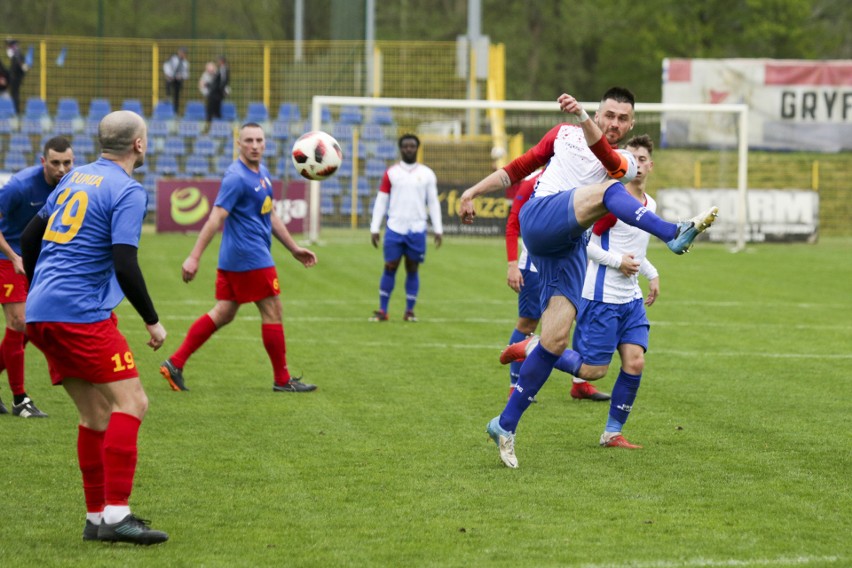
x: 408, y: 137
x: 641, y: 141
x: 620, y: 95
x: 58, y: 144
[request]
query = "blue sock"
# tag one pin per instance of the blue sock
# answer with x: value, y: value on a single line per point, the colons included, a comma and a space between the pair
x: 534, y: 372
x: 623, y: 395
x: 569, y: 362
x: 627, y: 209
x: 386, y: 285
x: 412, y: 286
x: 515, y: 366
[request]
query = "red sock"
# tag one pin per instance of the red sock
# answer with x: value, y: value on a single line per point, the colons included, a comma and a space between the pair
x: 12, y: 348
x: 199, y: 332
x: 276, y: 348
x: 90, y: 455
x: 120, y: 457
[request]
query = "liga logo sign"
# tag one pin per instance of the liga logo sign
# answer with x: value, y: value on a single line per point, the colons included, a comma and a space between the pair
x: 184, y: 205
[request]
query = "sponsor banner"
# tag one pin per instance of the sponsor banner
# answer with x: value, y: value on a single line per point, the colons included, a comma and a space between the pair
x: 773, y: 215
x: 491, y: 212
x: 184, y: 205
x: 793, y: 104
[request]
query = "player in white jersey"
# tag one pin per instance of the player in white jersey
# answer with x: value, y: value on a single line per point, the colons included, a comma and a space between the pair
x: 408, y: 192
x: 554, y: 221
x: 612, y: 314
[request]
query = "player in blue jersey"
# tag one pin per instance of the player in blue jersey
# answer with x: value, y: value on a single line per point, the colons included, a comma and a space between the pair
x: 80, y: 254
x: 20, y: 200
x: 246, y: 270
x: 574, y: 191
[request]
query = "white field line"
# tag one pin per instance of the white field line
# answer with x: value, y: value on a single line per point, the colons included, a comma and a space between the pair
x: 708, y: 563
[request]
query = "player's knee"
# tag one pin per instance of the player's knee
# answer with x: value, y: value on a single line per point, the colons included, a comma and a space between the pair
x: 18, y: 323
x: 392, y: 266
x: 526, y: 325
x: 593, y: 372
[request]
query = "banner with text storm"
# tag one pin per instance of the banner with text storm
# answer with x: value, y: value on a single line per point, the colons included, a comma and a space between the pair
x: 793, y: 104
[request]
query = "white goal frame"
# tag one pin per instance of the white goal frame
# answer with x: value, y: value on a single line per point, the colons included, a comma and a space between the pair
x: 739, y: 110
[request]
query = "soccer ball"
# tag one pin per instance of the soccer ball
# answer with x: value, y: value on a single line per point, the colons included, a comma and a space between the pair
x: 316, y: 155
x: 626, y: 176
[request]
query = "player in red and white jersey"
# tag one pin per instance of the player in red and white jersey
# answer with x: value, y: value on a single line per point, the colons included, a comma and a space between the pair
x: 408, y: 192
x: 553, y: 223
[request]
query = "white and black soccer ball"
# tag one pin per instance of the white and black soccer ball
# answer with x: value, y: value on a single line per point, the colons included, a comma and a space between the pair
x: 316, y: 155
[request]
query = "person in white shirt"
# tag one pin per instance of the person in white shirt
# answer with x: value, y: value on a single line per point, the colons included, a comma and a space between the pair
x: 611, y: 315
x: 408, y: 191
x: 176, y: 70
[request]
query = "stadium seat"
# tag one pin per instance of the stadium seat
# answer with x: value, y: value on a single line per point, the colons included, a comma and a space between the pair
x: 372, y: 133
x: 36, y: 108
x: 163, y: 111
x: 198, y: 166
x: 194, y: 111
x: 229, y: 111
x: 381, y: 115
x: 167, y: 165
x: 223, y: 161
x: 20, y: 143
x: 386, y: 150
x: 375, y: 168
x: 331, y: 187
x: 64, y: 127
x: 90, y: 128
x: 98, y: 108
x: 346, y: 205
x: 189, y: 128
x: 345, y: 169
x: 280, y: 130
x: 133, y: 105
x: 83, y: 145
x: 327, y: 206
x: 288, y: 112
x: 363, y: 188
x: 14, y: 162
x: 7, y: 108
x: 351, y: 115
x: 349, y: 153
x: 220, y: 129
x: 150, y: 185
x: 67, y: 109
x: 342, y: 132
x: 284, y: 168
x: 158, y: 128
x: 6, y: 125
x: 271, y: 148
x: 174, y: 146
x: 204, y: 146
x: 257, y: 112
x: 35, y: 125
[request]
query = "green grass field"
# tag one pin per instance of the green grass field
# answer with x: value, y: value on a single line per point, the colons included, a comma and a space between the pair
x: 743, y: 413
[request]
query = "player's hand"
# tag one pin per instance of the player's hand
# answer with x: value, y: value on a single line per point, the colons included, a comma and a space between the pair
x: 375, y: 238
x: 18, y: 264
x: 466, y: 210
x: 653, y: 291
x: 189, y: 269
x: 306, y: 257
x: 439, y: 239
x: 158, y: 335
x: 515, y: 279
x: 629, y: 265
x: 569, y: 104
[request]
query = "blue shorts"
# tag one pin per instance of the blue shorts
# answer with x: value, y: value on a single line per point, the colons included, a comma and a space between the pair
x: 529, y: 302
x: 602, y: 327
x: 412, y: 245
x: 557, y: 246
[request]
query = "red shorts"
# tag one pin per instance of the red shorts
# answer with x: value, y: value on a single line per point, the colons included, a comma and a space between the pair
x: 94, y: 352
x: 249, y: 286
x: 13, y: 287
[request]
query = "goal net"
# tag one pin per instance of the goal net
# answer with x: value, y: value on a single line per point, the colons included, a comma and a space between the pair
x: 463, y: 141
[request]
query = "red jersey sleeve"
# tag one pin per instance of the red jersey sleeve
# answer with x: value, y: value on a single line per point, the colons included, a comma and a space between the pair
x: 534, y: 158
x: 615, y: 164
x: 385, y: 185
x: 604, y: 224
x: 513, y: 224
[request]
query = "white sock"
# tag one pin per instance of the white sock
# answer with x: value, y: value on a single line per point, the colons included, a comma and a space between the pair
x: 115, y: 513
x: 577, y: 381
x: 94, y: 518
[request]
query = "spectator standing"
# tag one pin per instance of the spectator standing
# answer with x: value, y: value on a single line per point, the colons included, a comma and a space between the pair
x: 218, y: 88
x: 17, y: 70
x: 176, y: 70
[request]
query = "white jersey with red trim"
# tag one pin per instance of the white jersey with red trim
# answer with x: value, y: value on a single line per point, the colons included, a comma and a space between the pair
x: 572, y: 164
x: 610, y: 240
x: 406, y: 194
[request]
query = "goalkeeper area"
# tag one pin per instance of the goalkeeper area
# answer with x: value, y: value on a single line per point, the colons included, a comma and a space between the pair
x: 701, y: 158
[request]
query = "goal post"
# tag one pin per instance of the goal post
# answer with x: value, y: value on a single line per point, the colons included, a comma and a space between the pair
x: 443, y: 123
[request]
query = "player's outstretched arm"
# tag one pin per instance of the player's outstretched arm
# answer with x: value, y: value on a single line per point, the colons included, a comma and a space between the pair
x: 214, y: 222
x: 495, y: 180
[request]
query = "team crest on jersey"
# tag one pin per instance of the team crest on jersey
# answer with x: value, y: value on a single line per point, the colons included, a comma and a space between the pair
x: 267, y: 206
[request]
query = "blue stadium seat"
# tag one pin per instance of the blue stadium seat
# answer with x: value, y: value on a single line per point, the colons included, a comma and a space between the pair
x: 98, y: 108
x: 349, y: 153
x: 280, y: 130
x: 284, y: 168
x: 229, y: 111
x: 345, y: 169
x: 198, y: 166
x: 174, y: 146
x: 220, y: 129
x: 375, y: 168
x: 289, y: 112
x: 222, y: 162
x: 6, y: 125
x: 204, y: 146
x: 256, y: 112
x: 163, y: 111
x: 386, y: 150
x: 346, y: 205
x: 381, y: 115
x: 90, y: 128
x: 64, y: 127
x: 133, y: 105
x: 150, y: 185
x: 372, y: 133
x: 342, y: 132
x: 194, y: 111
x: 327, y: 206
x: 7, y: 108
x: 14, y: 162
x: 83, y: 145
x: 67, y: 109
x: 158, y: 128
x: 167, y: 165
x: 351, y: 115
x: 189, y: 128
x: 36, y: 108
x: 331, y: 187
x: 34, y: 125
x: 363, y: 188
x: 20, y: 143
x: 271, y: 148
